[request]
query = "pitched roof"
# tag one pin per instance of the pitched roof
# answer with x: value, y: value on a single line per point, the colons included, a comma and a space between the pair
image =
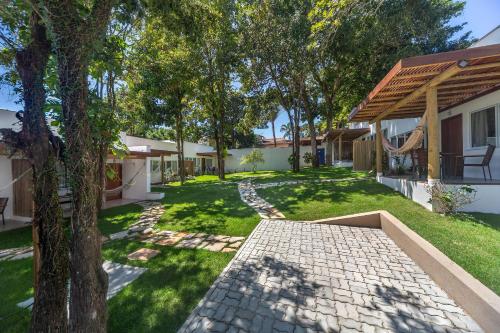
x: 475, y: 71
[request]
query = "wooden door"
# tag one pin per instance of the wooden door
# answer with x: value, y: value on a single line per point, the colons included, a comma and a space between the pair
x: 451, y: 145
x: 23, y: 195
x: 114, y: 182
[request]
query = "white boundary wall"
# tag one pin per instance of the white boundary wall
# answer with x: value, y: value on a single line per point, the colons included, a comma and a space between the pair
x: 486, y: 200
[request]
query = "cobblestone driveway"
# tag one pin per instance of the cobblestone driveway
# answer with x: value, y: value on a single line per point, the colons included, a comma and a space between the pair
x: 299, y: 277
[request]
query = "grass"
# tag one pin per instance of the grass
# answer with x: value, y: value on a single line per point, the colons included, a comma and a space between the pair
x: 15, y: 286
x: 160, y: 300
x: 116, y: 219
x: 164, y: 296
x: 471, y: 240
x: 272, y: 176
x: 210, y: 207
x: 15, y: 238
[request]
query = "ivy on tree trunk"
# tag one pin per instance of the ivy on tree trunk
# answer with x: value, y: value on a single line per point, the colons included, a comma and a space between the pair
x: 75, y: 37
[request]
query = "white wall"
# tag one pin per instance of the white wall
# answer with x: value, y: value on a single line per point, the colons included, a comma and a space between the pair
x: 486, y: 200
x: 275, y: 159
x: 141, y: 183
x: 465, y: 110
x: 6, y: 178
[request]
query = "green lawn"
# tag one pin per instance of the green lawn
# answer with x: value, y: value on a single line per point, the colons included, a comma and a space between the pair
x: 160, y: 300
x: 471, y: 240
x: 272, y: 176
x: 164, y: 296
x: 16, y: 280
x: 116, y: 219
x: 15, y: 238
x: 206, y: 206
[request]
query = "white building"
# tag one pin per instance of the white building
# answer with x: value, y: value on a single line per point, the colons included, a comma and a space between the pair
x: 467, y: 85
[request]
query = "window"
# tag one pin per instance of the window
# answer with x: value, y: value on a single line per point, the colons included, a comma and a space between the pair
x: 483, y: 127
x: 155, y: 166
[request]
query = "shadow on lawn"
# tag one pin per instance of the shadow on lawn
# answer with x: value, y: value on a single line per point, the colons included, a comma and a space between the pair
x: 291, y: 198
x: 205, y: 208
x: 163, y: 297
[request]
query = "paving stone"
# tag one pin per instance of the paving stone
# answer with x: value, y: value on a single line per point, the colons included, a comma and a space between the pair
x: 143, y: 254
x: 295, y: 277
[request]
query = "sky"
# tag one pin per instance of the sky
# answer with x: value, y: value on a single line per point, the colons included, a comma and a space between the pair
x: 481, y: 17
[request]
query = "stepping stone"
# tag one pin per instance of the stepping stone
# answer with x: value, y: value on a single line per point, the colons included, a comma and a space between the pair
x: 20, y: 256
x: 171, y: 239
x: 228, y: 249
x: 215, y: 247
x: 119, y: 235
x: 235, y: 245
x: 236, y: 239
x: 217, y: 238
x: 190, y: 243
x: 143, y: 254
x: 119, y: 276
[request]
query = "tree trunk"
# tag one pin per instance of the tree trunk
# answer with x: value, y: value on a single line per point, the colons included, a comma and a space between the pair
x: 49, y: 309
x: 274, y: 132
x: 220, y: 149
x: 180, y: 146
x: 75, y: 38
x: 296, y: 143
x: 329, y: 140
x: 42, y: 149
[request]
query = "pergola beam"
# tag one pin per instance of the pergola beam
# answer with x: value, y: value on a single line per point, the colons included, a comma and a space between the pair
x: 447, y: 74
x: 453, y: 70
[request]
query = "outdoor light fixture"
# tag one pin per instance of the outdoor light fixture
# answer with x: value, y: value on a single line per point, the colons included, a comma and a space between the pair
x: 463, y: 63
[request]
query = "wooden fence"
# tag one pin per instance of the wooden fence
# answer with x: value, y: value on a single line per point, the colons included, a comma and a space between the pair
x: 363, y: 152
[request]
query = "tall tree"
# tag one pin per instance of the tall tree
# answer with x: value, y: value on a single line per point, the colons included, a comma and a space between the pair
x: 77, y: 27
x: 165, y: 70
x: 218, y: 47
x: 39, y: 145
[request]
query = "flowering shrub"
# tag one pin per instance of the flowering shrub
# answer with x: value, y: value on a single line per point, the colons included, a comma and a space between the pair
x: 449, y: 199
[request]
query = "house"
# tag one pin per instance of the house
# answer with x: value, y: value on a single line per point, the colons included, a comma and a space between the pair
x: 459, y: 93
x: 133, y: 173
x: 342, y: 145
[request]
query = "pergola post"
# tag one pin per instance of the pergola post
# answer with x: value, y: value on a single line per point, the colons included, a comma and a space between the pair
x: 433, y: 135
x: 378, y: 147
x: 340, y: 147
x: 162, y: 169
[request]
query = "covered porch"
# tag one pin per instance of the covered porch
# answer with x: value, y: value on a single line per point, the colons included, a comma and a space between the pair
x: 458, y: 147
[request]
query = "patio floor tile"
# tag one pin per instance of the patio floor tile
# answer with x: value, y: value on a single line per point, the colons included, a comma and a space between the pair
x: 299, y: 277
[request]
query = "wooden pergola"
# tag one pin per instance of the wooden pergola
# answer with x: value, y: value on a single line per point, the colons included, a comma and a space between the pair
x: 430, y: 84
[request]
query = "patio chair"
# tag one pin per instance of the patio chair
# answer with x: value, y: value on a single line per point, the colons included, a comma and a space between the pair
x: 3, y: 205
x: 484, y: 163
x: 419, y: 161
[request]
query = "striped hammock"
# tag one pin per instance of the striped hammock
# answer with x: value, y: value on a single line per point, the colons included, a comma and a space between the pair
x: 413, y: 142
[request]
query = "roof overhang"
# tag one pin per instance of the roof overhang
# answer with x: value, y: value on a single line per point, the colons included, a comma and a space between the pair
x: 458, y: 75
x: 209, y: 154
x: 140, y: 155
x: 349, y: 134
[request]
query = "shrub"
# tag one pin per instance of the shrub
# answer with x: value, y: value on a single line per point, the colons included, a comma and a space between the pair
x: 308, y: 158
x: 254, y: 157
x: 449, y: 199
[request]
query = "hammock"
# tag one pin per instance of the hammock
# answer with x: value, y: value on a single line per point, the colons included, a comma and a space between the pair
x: 126, y: 186
x: 15, y: 180
x: 413, y: 142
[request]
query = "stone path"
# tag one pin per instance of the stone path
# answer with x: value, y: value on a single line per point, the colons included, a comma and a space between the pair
x: 265, y: 210
x: 16, y: 253
x: 215, y: 243
x: 301, y: 277
x: 152, y: 213
x: 119, y: 276
x: 249, y: 196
